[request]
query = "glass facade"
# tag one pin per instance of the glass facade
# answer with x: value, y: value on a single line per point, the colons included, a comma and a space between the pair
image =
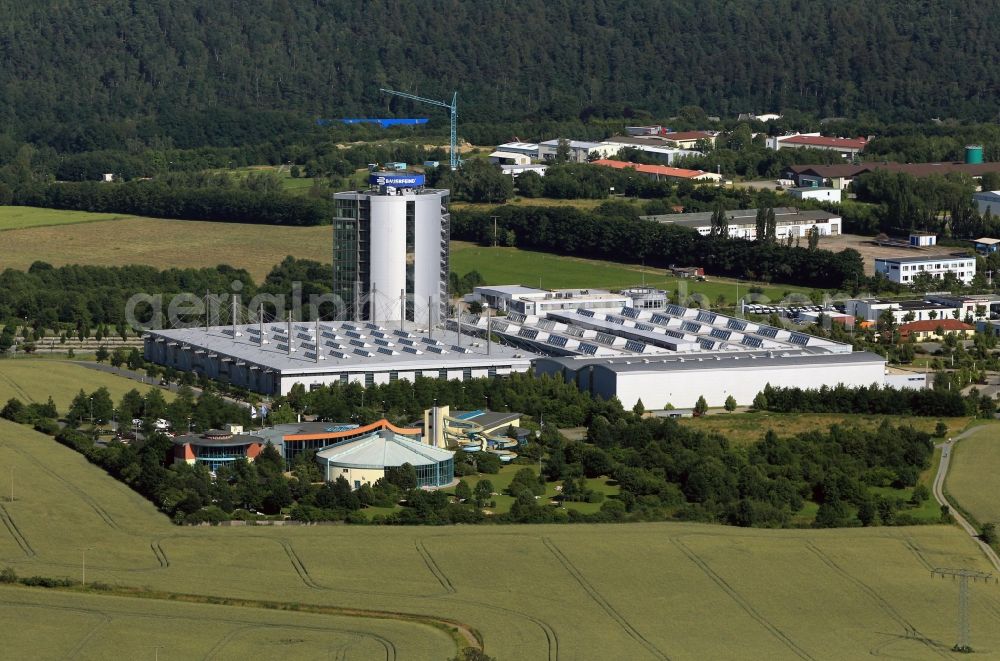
x: 437, y: 474
x: 411, y: 237
x: 351, y: 274
x: 214, y: 457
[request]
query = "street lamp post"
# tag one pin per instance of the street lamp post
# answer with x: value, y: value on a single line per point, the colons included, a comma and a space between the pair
x: 83, y: 565
x: 91, y: 411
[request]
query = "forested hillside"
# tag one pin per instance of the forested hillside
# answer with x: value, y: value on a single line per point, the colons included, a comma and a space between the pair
x: 209, y: 72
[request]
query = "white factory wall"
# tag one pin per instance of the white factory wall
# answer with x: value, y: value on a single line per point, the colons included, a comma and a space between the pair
x: 384, y: 377
x: 388, y: 254
x: 427, y: 257
x: 682, y: 388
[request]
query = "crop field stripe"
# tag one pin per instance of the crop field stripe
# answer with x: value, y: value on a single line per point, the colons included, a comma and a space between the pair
x: 299, y: 566
x: 745, y: 605
x: 17, y: 387
x: 912, y: 547
x: 16, y: 533
x: 601, y: 601
x: 83, y: 495
x: 161, y: 555
x: 883, y: 605
x: 433, y: 566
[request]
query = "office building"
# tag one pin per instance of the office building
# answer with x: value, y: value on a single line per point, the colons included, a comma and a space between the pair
x: 904, y: 270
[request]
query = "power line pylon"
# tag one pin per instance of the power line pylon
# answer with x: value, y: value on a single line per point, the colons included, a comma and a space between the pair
x: 964, y: 643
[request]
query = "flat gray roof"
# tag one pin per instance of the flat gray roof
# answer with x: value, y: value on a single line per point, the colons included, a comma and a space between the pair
x: 718, y: 361
x: 385, y: 347
x: 926, y: 258
x: 511, y: 290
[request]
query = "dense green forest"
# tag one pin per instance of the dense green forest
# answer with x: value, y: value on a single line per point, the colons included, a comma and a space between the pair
x: 193, y: 73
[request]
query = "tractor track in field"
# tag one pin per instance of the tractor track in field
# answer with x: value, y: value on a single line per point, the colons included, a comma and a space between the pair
x: 16, y: 533
x: 433, y: 567
x: 742, y: 602
x: 880, y: 601
x: 599, y: 599
x: 912, y: 547
x: 299, y: 566
x: 161, y: 555
x: 17, y: 388
x: 80, y: 493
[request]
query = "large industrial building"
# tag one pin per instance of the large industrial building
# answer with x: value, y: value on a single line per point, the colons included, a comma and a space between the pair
x: 681, y: 379
x: 677, y: 354
x: 390, y: 250
x: 271, y: 358
x: 742, y: 223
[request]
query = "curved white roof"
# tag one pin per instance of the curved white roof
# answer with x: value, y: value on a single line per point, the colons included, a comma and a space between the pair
x: 382, y: 449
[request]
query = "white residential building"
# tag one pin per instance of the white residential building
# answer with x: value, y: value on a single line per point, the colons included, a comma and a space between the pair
x: 904, y: 269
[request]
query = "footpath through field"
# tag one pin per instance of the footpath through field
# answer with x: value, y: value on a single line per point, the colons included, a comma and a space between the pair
x: 947, y: 449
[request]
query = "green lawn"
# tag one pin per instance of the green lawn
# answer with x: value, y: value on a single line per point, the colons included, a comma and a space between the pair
x: 501, y: 481
x: 17, y: 218
x: 533, y: 269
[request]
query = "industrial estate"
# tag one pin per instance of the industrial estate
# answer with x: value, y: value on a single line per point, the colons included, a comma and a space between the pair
x: 651, y: 351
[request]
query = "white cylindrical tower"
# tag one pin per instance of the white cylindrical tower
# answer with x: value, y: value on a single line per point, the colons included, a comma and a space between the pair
x: 387, y: 239
x: 392, y: 238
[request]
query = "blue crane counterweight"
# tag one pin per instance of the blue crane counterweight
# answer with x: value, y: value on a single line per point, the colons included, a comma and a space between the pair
x: 453, y: 110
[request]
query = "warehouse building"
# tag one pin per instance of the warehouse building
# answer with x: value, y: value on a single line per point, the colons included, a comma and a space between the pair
x: 532, y: 301
x: 364, y: 460
x: 681, y: 379
x: 271, y: 358
x: 580, y: 151
x: 742, y: 223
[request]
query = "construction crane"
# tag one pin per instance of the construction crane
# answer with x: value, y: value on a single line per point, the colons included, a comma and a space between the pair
x: 452, y: 108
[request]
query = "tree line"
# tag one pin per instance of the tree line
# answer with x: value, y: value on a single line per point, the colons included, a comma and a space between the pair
x: 617, y: 236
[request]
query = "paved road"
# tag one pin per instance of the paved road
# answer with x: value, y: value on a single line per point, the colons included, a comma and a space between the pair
x: 946, y: 451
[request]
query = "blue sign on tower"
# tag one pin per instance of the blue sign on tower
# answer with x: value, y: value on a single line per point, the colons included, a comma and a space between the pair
x: 404, y: 180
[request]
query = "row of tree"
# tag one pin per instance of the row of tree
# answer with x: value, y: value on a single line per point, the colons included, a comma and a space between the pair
x: 153, y: 198
x: 569, y: 231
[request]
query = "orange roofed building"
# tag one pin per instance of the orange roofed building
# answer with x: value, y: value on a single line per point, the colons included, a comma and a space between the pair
x: 658, y: 172
x: 935, y: 329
